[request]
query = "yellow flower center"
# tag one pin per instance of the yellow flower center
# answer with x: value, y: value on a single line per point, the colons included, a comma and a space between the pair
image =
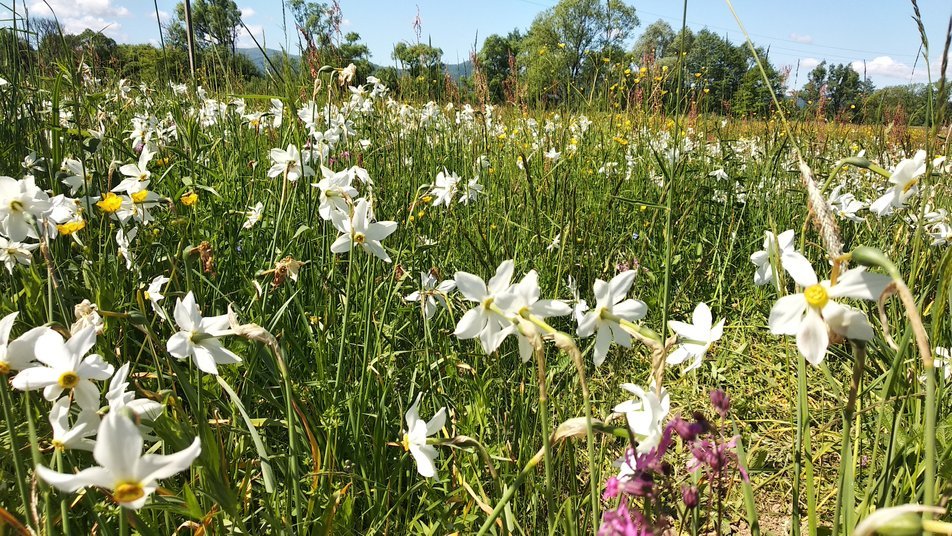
x: 816, y: 296
x: 58, y: 445
x: 110, y: 203
x: 68, y: 380
x: 427, y: 198
x: 128, y: 492
x: 4, y: 368
x: 189, y: 199
x: 406, y: 442
x: 910, y: 185
x: 488, y: 302
x: 16, y: 206
x: 140, y: 196
x: 71, y: 227
x: 359, y: 238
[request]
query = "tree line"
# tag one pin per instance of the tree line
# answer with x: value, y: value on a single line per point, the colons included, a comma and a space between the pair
x: 577, y: 53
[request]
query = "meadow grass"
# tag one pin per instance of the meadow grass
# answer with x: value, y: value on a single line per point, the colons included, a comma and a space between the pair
x: 304, y: 435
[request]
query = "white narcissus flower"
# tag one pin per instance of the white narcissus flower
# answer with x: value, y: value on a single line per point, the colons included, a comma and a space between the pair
x: 135, y: 173
x: 553, y: 155
x: 22, y: 204
x: 288, y: 163
x: 336, y: 195
x: 120, y: 398
x: 471, y: 191
x: 65, y: 366
x: 645, y: 416
x: 198, y: 337
x: 87, y: 315
x: 845, y: 205
x: 277, y: 112
x: 130, y: 476
x: 124, y: 242
x: 444, y: 188
x: 77, y: 175
x: 696, y: 338
x: 813, y: 314
x: 524, y: 301
x: 253, y: 215
x: 414, y: 438
x: 775, y: 247
x: 76, y: 436
x: 904, y: 180
x: 17, y: 354
x: 943, y: 362
x: 154, y: 295
x: 359, y: 230
x: 610, y: 307
x: 14, y: 253
x: 430, y: 293
x: 485, y: 319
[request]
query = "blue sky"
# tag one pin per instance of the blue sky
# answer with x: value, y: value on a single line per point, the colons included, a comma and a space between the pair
x: 879, y: 32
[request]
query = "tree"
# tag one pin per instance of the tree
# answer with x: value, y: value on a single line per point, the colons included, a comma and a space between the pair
x: 214, y: 23
x: 719, y: 64
x: 837, y: 88
x: 494, y: 60
x: 563, y: 38
x: 315, y: 21
x: 352, y: 50
x: 420, y: 59
x: 655, y: 43
x: 753, y: 95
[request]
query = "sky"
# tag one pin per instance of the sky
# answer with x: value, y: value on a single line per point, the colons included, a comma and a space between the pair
x: 877, y: 37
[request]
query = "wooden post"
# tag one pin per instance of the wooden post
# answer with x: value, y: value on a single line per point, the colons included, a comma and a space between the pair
x: 191, y: 39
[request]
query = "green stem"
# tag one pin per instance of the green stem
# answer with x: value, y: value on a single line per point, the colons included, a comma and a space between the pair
x: 123, y: 522
x: 510, y: 491
x: 804, y: 452
x: 14, y: 448
x: 929, y: 437
x: 64, y: 502
x: 546, y: 436
x: 846, y: 496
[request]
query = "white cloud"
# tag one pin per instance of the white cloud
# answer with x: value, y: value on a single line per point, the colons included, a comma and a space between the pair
x: 79, y: 8
x: 245, y: 40
x: 808, y: 63
x: 78, y: 15
x: 805, y: 39
x: 247, y: 12
x: 884, y: 66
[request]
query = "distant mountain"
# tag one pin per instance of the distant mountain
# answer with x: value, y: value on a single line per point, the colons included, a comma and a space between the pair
x: 256, y: 57
x: 455, y: 70
x: 459, y: 70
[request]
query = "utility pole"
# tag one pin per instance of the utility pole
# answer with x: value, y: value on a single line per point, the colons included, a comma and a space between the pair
x: 191, y: 40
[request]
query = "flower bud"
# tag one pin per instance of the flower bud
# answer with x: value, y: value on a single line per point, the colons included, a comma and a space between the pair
x: 721, y: 402
x: 690, y: 496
